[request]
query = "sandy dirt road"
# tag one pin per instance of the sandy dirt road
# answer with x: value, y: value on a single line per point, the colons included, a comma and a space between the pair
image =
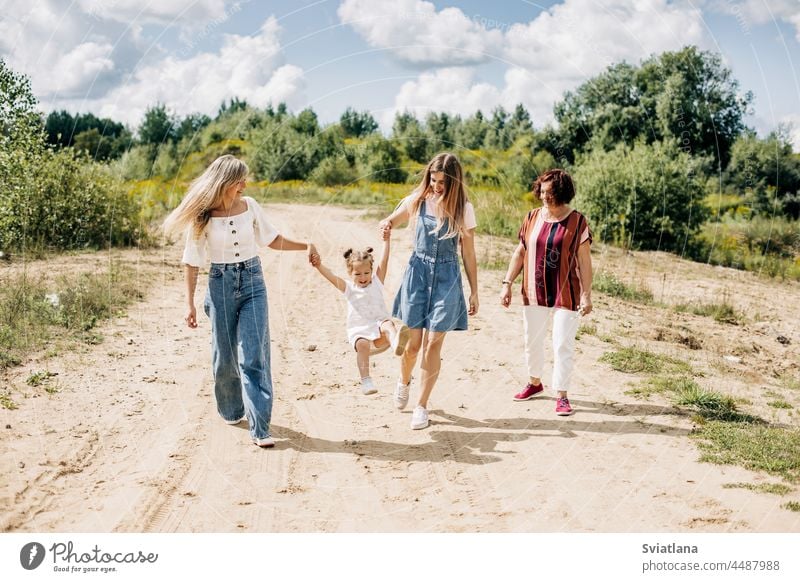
x: 131, y: 441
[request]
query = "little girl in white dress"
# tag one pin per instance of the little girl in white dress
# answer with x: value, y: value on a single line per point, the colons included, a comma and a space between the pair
x: 370, y: 329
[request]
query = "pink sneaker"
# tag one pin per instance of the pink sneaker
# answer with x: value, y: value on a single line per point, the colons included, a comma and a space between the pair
x: 563, y: 408
x: 529, y: 392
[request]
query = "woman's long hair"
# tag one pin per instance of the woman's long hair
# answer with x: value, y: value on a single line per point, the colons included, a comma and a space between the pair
x: 453, y: 202
x: 204, y: 194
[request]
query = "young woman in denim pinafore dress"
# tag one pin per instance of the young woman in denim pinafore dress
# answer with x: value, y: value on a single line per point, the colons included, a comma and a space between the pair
x: 431, y: 297
x: 229, y: 229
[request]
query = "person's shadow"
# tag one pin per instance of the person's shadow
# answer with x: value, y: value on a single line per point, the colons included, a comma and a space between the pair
x: 478, y: 447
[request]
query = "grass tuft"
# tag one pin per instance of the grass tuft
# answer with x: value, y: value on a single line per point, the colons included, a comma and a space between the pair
x: 753, y: 446
x: 637, y: 361
x: 608, y: 283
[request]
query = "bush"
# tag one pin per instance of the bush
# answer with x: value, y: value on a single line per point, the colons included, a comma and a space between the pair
x: 382, y: 161
x: 648, y: 197
x: 334, y: 172
x: 71, y: 203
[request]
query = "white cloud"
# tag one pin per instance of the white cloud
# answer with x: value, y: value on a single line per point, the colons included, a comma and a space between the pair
x: 191, y: 12
x: 577, y: 39
x: 561, y: 48
x: 792, y: 122
x: 414, y: 32
x: 247, y: 67
x: 450, y: 89
x: 763, y: 11
x: 62, y: 50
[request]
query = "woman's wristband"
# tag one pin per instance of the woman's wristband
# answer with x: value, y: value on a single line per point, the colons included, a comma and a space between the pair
x: 506, y: 282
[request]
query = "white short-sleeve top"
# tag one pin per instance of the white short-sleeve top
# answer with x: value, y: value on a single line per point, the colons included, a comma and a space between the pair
x: 432, y: 207
x: 230, y: 239
x: 366, y: 309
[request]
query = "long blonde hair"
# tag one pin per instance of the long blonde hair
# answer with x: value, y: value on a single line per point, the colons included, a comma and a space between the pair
x: 205, y: 194
x: 453, y: 203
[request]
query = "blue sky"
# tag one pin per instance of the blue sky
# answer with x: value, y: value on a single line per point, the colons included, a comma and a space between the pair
x: 117, y: 57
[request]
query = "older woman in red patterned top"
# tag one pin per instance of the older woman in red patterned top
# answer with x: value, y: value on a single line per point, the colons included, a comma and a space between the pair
x: 553, y: 255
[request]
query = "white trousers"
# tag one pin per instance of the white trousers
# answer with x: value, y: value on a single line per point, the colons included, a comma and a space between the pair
x: 565, y: 326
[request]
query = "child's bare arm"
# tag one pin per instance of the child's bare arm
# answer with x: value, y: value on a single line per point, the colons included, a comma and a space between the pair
x: 383, y: 267
x: 337, y: 282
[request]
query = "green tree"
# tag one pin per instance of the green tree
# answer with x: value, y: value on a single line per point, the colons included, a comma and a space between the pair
x: 645, y: 197
x: 191, y: 125
x: 439, y: 130
x: 767, y: 173
x: 20, y: 124
x: 473, y: 131
x: 357, y: 124
x: 382, y: 161
x: 687, y: 95
x: 158, y: 126
x: 498, y: 136
x: 306, y: 122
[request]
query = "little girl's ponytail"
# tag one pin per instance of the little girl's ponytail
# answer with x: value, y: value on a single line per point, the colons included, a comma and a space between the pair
x: 352, y: 256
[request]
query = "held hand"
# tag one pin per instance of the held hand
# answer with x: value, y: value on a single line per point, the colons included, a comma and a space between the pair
x: 585, y: 308
x: 316, y: 261
x: 473, y: 304
x: 505, y: 296
x: 312, y: 253
x: 385, y: 227
x: 191, y: 317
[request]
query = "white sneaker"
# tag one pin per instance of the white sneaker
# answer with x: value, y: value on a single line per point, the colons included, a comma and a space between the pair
x: 264, y: 442
x: 367, y: 387
x: 419, y: 418
x: 233, y: 422
x: 400, y: 340
x: 401, y: 394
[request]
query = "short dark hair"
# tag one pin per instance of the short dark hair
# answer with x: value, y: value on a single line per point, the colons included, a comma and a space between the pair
x: 563, y: 186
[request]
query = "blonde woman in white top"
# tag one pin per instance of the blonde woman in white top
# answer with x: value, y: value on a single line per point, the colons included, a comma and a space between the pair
x: 228, y: 229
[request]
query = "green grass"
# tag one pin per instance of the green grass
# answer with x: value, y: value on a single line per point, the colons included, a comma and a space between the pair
x: 709, y: 404
x: 662, y: 384
x: 751, y: 445
x: 637, y: 361
x: 790, y: 382
x: 39, y: 378
x: 608, y: 283
x: 722, y: 312
x: 7, y: 403
x: 586, y: 329
x: 33, y: 311
x: 772, y: 488
x: 792, y: 505
x: 779, y: 404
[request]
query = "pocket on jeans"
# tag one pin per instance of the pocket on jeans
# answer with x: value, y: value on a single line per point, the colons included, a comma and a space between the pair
x: 215, y: 272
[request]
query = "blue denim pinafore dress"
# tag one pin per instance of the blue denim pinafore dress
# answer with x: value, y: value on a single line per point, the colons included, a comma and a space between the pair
x: 431, y: 295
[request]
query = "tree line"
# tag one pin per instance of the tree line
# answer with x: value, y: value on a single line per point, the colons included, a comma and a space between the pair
x: 659, y: 149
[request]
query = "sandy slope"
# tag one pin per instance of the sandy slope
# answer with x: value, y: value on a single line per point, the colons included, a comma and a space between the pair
x: 132, y: 442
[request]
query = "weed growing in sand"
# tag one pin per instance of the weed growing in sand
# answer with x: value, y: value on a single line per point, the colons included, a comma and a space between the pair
x: 662, y: 384
x: 39, y: 378
x: 752, y: 445
x: 790, y: 382
x: 638, y: 361
x: 710, y: 404
x: 586, y: 329
x: 6, y: 402
x: 32, y: 310
x: 607, y: 283
x: 722, y: 312
x: 779, y: 404
x: 773, y: 488
x: 792, y: 505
